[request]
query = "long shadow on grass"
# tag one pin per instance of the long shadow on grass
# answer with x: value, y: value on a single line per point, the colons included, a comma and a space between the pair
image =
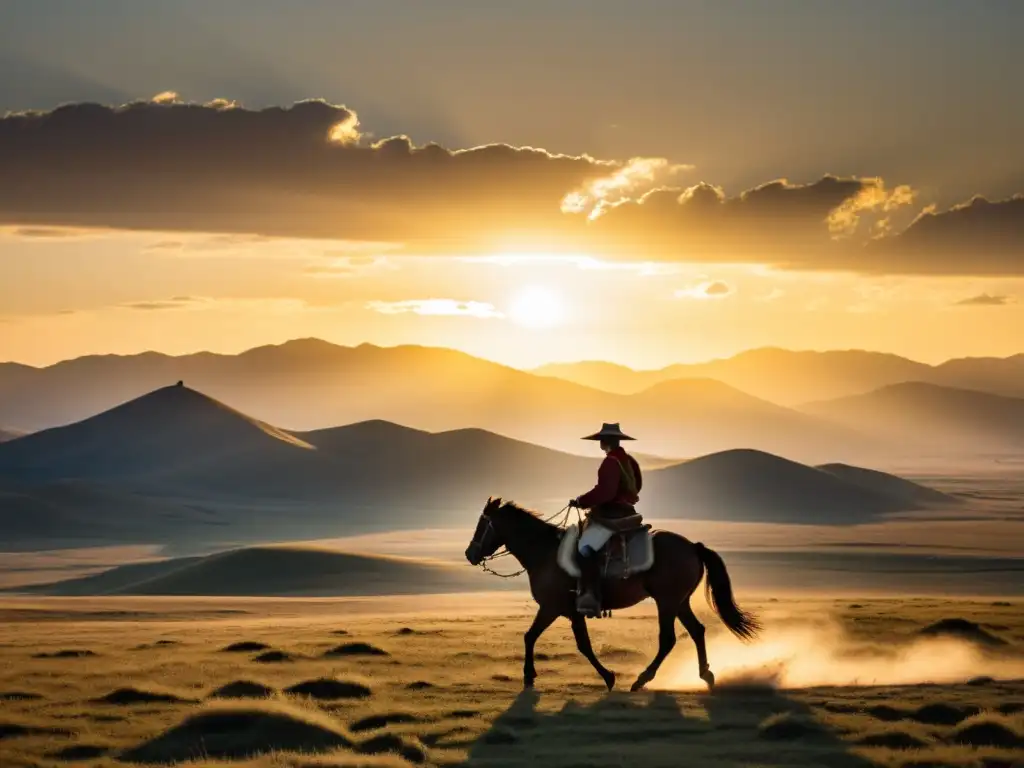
x: 658, y: 730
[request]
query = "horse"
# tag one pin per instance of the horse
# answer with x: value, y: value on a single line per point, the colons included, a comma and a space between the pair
x: 679, y: 565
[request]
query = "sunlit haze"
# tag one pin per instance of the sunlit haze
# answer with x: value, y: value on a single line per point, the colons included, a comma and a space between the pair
x: 466, y: 181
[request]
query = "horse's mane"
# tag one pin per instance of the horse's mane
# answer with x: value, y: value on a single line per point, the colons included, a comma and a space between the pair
x: 529, y: 519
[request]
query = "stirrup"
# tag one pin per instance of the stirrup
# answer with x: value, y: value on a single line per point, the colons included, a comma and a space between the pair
x: 588, y: 605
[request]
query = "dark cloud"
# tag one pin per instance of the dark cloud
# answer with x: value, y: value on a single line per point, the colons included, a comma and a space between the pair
x: 979, y: 237
x: 297, y: 172
x: 984, y: 300
x: 307, y: 171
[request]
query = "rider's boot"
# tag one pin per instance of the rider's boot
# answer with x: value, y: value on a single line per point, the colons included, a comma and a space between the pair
x: 589, y: 602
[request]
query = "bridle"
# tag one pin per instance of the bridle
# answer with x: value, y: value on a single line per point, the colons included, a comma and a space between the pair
x: 481, y: 536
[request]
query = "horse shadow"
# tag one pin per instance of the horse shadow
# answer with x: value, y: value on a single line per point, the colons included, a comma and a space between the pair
x: 730, y: 728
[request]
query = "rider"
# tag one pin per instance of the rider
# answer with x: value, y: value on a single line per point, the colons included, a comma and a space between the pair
x: 617, y: 491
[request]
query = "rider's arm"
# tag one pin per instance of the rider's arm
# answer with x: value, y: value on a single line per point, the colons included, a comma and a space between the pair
x: 637, y: 475
x: 607, y: 485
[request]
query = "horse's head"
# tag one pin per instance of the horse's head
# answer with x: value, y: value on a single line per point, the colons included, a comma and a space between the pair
x: 486, y: 538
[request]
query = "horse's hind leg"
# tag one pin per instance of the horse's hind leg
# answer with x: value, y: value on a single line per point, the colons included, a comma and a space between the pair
x: 579, y: 631
x: 696, y: 631
x: 666, y: 642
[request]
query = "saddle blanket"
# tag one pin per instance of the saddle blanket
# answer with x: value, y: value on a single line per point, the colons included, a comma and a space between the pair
x: 639, y: 554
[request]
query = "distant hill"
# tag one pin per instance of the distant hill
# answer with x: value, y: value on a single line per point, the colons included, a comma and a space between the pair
x: 309, y: 384
x: 778, y: 375
x: 65, y: 513
x: 898, y: 488
x: 792, y: 377
x: 280, y: 571
x: 162, y: 433
x: 754, y: 486
x: 936, y: 420
x: 214, y: 472
x: 176, y: 465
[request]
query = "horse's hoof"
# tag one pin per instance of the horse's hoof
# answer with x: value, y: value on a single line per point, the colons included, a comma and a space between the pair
x: 528, y: 684
x: 641, y: 681
x: 609, y: 680
x: 708, y: 677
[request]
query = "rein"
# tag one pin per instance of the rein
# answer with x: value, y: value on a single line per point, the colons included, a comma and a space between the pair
x: 503, y: 551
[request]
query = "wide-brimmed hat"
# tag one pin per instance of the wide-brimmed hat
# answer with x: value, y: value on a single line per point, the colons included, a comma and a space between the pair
x: 609, y: 431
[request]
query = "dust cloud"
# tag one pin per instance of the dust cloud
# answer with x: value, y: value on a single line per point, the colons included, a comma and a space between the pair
x: 806, y: 653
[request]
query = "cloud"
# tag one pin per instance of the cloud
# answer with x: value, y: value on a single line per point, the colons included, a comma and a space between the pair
x: 436, y: 307
x: 984, y: 300
x: 978, y: 237
x: 309, y: 171
x: 52, y: 233
x: 712, y: 289
x: 337, y: 266
x: 301, y: 171
x: 175, y: 302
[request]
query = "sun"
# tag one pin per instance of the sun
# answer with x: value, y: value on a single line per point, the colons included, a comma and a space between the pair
x: 537, y: 306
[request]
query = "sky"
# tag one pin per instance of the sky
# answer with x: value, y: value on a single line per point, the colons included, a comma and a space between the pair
x: 646, y: 182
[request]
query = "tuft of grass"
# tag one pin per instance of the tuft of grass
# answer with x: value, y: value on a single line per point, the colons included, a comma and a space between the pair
x: 238, y: 731
x: 355, y: 649
x: 242, y: 689
x: 988, y: 730
x: 245, y: 646
x: 785, y: 726
x: 130, y: 695
x: 329, y: 689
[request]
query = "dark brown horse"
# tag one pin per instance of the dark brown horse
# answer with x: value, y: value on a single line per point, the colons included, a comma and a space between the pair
x: 679, y: 565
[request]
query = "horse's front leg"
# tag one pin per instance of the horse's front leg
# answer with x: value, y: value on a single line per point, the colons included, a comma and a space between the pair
x: 545, y: 618
x: 579, y: 631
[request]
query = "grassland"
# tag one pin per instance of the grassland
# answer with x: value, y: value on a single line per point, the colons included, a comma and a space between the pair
x: 394, y: 682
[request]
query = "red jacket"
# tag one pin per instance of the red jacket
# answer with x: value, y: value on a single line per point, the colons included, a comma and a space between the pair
x: 612, y: 483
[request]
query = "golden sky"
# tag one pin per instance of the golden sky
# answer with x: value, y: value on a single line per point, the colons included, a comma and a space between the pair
x: 685, y: 214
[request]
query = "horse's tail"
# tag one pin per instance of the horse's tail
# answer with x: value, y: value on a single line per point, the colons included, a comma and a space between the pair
x: 718, y: 589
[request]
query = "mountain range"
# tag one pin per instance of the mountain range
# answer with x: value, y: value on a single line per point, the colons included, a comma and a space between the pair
x: 793, y: 378
x: 795, y: 404
x: 177, y: 465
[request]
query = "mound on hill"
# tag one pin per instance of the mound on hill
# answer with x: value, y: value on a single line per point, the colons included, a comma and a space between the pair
x: 273, y: 571
x: 752, y: 485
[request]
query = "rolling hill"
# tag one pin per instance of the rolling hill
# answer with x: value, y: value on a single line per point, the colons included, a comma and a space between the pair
x: 282, y: 571
x: 937, y: 421
x: 176, y: 465
x: 309, y: 384
x: 753, y: 486
x: 898, y: 488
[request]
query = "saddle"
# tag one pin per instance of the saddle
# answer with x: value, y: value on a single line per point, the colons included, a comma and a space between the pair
x: 630, y: 551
